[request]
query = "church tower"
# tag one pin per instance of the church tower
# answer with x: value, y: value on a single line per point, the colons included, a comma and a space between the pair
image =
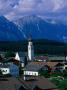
x: 30, y: 50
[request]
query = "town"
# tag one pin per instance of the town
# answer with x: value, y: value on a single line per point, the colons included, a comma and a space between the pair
x: 27, y: 71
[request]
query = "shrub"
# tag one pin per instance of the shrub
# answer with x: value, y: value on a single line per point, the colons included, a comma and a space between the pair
x: 45, y: 74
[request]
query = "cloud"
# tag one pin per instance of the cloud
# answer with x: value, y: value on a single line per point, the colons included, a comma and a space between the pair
x: 18, y: 8
x: 58, y: 5
x: 6, y: 6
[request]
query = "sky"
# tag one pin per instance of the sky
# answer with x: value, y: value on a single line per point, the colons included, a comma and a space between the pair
x: 14, y: 9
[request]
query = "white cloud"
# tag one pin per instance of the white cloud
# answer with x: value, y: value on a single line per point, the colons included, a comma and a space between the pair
x: 26, y: 7
x: 58, y: 5
x: 6, y: 6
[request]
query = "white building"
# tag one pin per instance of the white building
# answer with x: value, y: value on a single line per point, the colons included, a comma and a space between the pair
x: 30, y: 50
x: 32, y: 69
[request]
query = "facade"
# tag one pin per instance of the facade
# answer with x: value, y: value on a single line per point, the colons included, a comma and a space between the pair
x: 5, y: 69
x: 59, y: 67
x: 33, y: 68
x: 11, y: 69
x: 14, y: 70
x: 33, y: 73
x: 56, y: 66
x: 30, y: 50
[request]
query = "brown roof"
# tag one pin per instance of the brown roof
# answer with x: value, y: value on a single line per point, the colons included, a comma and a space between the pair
x: 44, y: 83
x: 9, y: 83
x: 40, y: 82
x: 52, y: 64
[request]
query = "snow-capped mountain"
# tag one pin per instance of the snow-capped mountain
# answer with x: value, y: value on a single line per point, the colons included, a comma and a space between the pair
x: 38, y: 28
x: 42, y: 29
x: 9, y: 31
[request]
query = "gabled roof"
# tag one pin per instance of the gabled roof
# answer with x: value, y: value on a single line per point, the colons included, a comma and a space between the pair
x: 59, y: 64
x: 13, y: 60
x: 4, y: 66
x: 45, y: 84
x: 40, y: 82
x: 52, y: 64
x: 9, y: 83
x: 34, y: 66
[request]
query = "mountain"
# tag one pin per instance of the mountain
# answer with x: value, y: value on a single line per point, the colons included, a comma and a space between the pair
x: 42, y: 29
x: 9, y: 31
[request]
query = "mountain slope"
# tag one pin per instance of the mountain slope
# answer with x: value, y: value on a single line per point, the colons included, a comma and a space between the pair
x: 9, y: 31
x: 42, y: 29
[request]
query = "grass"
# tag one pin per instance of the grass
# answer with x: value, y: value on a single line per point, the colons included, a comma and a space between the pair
x: 59, y: 82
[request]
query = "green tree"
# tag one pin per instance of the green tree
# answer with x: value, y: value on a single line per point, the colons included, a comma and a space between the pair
x: 45, y: 73
x: 0, y: 72
x: 9, y: 54
x: 65, y: 73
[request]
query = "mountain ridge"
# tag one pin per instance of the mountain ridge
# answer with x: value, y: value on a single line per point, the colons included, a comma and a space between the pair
x: 41, y: 29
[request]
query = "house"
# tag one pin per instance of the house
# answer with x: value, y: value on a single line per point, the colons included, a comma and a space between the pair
x: 59, y: 67
x: 14, y: 70
x: 22, y: 57
x: 12, y: 61
x: 56, y: 66
x: 11, y: 69
x: 33, y: 68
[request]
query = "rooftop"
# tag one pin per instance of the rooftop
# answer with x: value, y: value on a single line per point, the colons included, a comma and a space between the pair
x: 9, y: 84
x: 34, y: 66
x: 40, y: 82
x: 53, y: 64
x: 4, y: 66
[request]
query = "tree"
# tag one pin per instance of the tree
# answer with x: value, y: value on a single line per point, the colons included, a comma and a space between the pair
x: 9, y: 54
x: 65, y: 73
x: 0, y: 72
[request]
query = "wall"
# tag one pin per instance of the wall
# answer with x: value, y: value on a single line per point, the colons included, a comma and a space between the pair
x: 5, y: 70
x: 33, y: 73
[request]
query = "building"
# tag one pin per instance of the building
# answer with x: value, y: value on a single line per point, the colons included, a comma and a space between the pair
x: 30, y: 50
x: 32, y: 69
x: 4, y: 69
x: 11, y: 69
x: 56, y: 66
x: 14, y: 70
x: 41, y: 58
x: 21, y: 57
